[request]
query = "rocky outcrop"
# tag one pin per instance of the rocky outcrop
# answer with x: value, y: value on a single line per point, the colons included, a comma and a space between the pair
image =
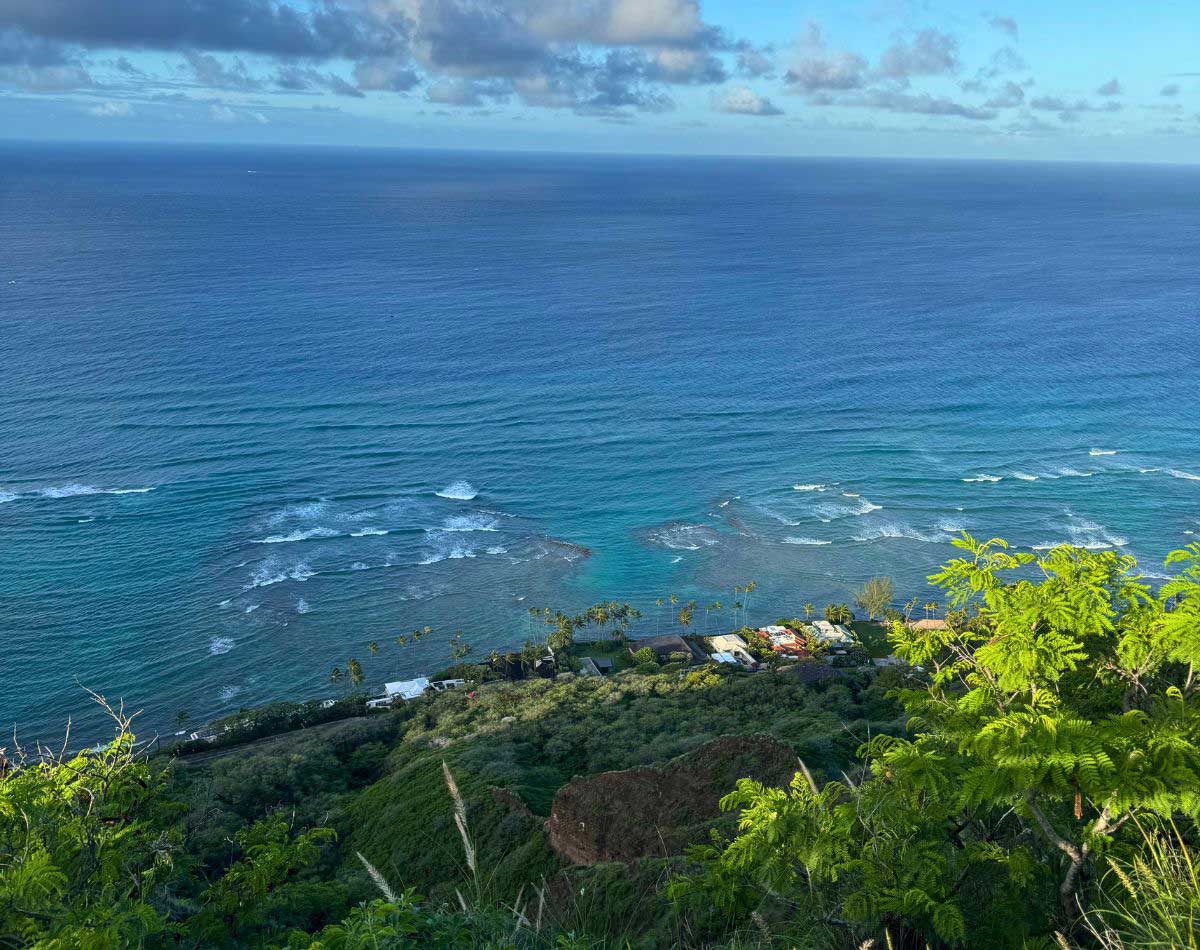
x: 644, y: 812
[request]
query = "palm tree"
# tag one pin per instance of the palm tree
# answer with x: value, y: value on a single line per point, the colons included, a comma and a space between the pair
x: 401, y: 640
x: 373, y: 647
x: 355, y: 671
x: 808, y: 611
x: 335, y: 675
x: 749, y: 589
x: 658, y: 617
x: 181, y: 718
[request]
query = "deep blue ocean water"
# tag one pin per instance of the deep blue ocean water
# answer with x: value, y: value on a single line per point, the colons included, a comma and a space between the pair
x: 259, y: 407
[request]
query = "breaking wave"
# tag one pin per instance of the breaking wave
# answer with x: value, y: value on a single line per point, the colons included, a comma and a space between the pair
x: 302, y: 606
x: 459, y: 491
x: 269, y: 573
x: 1179, y: 473
x: 368, y: 532
x: 473, y: 522
x: 220, y: 645
x: 984, y: 478
x: 298, y: 536
x: 75, y: 489
x: 1095, y: 452
x: 812, y: 487
x: 1024, y: 476
x: 684, y: 537
x: 815, y: 542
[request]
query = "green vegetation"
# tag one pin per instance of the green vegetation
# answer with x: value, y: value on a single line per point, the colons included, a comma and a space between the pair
x: 876, y: 596
x: 1030, y: 779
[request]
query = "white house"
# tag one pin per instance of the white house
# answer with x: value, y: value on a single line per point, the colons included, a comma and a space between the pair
x: 727, y: 642
x: 832, y: 634
x: 403, y: 690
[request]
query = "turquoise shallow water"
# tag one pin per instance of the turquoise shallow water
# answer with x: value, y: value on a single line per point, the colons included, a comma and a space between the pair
x: 260, y: 407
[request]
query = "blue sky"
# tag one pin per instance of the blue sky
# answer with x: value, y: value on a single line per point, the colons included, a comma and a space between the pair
x: 1013, y: 79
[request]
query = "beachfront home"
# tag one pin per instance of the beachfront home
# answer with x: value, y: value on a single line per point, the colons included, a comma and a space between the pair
x: 663, y: 646
x: 730, y: 648
x: 402, y: 691
x: 784, y: 641
x: 833, y: 635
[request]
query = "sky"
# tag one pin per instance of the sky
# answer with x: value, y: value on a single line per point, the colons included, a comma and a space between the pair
x: 1018, y: 79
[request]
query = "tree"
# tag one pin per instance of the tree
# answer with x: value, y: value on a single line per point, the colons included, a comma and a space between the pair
x: 645, y: 655
x: 460, y: 649
x: 808, y: 611
x: 876, y: 596
x: 373, y: 647
x: 686, y: 614
x: 182, y: 717
x: 335, y: 675
x: 354, y: 673
x: 1061, y: 711
x: 838, y: 613
x: 86, y: 859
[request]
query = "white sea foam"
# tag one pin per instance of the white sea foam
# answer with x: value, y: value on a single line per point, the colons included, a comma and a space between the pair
x: 75, y: 489
x: 1147, y: 471
x: 1095, y: 452
x: 228, y: 692
x: 891, y: 530
x: 850, y: 494
x: 460, y: 491
x: 496, y: 549
x: 252, y: 608
x: 304, y: 535
x: 684, y: 537
x: 368, y: 532
x: 827, y: 511
x: 471, y: 522
x: 982, y: 477
x: 455, y: 553
x: 8, y: 496
x: 359, y: 566
x: 676, y: 560
x: 810, y: 487
x: 1067, y: 472
x: 1024, y: 476
x: 269, y: 573
x: 305, y: 511
x: 219, y: 645
x: 302, y: 606
x: 86, y: 520
x: 806, y: 541
x: 1179, y: 473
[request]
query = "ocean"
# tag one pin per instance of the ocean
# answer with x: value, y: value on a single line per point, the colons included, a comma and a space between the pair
x: 260, y: 407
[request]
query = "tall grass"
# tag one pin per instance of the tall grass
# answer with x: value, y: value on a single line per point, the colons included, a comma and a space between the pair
x: 1151, y: 900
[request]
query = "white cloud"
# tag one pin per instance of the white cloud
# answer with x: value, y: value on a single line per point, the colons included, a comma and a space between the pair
x: 112, y: 110
x: 743, y: 101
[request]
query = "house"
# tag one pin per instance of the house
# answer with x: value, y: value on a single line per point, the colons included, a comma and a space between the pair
x: 403, y: 690
x: 784, y: 641
x: 832, y: 634
x: 440, y: 686
x: 726, y: 642
x: 595, y: 666
x: 662, y: 646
